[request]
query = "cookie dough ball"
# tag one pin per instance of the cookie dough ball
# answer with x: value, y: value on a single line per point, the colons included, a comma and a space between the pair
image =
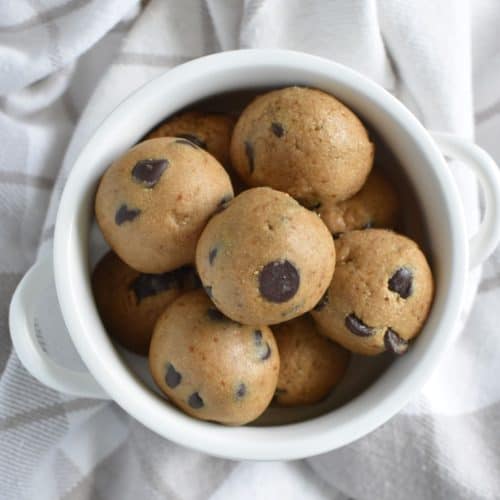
x: 210, y: 131
x: 153, y: 202
x: 375, y: 205
x: 380, y: 295
x: 265, y: 259
x: 302, y: 141
x: 129, y: 302
x: 210, y: 366
x: 310, y: 364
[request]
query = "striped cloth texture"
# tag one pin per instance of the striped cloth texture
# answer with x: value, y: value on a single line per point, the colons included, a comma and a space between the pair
x: 65, y: 64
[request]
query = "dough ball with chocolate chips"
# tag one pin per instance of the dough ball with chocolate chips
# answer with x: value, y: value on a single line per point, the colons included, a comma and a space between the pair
x: 129, y: 302
x: 210, y: 366
x: 154, y: 201
x: 265, y: 259
x: 375, y: 205
x: 310, y: 364
x: 380, y: 295
x: 302, y: 141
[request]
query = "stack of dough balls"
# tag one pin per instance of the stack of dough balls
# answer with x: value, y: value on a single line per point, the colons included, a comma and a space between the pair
x: 256, y: 299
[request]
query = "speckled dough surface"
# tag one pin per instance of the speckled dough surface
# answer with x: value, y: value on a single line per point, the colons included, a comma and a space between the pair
x: 129, y: 302
x: 210, y: 131
x: 210, y: 366
x: 265, y: 259
x: 302, y: 141
x: 310, y: 364
x: 375, y: 205
x: 153, y: 202
x: 380, y: 295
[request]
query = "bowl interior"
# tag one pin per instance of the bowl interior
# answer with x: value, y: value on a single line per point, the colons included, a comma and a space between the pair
x: 363, y: 370
x: 376, y: 388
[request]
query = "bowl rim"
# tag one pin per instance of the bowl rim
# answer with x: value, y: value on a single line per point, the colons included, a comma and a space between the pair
x: 291, y: 441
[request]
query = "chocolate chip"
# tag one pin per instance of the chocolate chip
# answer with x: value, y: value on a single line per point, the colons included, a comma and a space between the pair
x: 401, y: 282
x: 146, y: 285
x: 266, y: 354
x: 241, y: 391
x: 208, y: 291
x: 250, y: 156
x: 263, y: 349
x: 356, y: 326
x: 212, y: 254
x: 173, y: 377
x: 223, y: 203
x: 277, y: 129
x: 216, y: 315
x: 192, y: 139
x: 322, y: 302
x: 279, y: 281
x: 125, y: 214
x: 394, y: 343
x: 195, y: 401
x: 336, y: 236
x: 148, y: 172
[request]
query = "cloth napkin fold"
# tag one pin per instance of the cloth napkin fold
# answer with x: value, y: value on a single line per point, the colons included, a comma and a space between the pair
x: 65, y: 64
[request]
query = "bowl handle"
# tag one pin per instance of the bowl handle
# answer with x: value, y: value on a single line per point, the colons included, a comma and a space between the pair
x: 484, y: 241
x: 27, y: 344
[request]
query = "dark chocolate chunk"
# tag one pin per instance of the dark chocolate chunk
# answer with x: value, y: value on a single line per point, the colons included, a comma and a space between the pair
x: 125, y: 214
x: 212, y: 254
x: 264, y: 351
x: 394, y: 343
x: 279, y: 281
x: 250, y: 156
x: 148, y: 172
x: 195, y: 401
x: 336, y: 236
x: 146, y: 285
x: 277, y: 129
x: 223, y: 203
x: 241, y: 391
x: 356, y: 326
x: 215, y: 315
x: 322, y: 302
x: 208, y: 291
x: 191, y: 139
x: 173, y: 377
x: 401, y: 282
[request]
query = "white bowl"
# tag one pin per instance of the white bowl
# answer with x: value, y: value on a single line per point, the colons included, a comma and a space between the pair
x: 450, y: 252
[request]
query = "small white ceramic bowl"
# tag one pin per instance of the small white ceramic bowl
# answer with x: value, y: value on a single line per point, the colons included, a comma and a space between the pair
x: 451, y: 254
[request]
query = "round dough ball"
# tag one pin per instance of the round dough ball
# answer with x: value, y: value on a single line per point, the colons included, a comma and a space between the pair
x: 380, y: 295
x: 153, y: 202
x: 302, y: 141
x: 265, y: 259
x: 310, y: 364
x: 129, y: 302
x: 210, y: 366
x: 210, y: 131
x: 375, y: 205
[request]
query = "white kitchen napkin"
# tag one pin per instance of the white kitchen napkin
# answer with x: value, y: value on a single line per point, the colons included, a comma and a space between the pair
x: 64, y: 65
